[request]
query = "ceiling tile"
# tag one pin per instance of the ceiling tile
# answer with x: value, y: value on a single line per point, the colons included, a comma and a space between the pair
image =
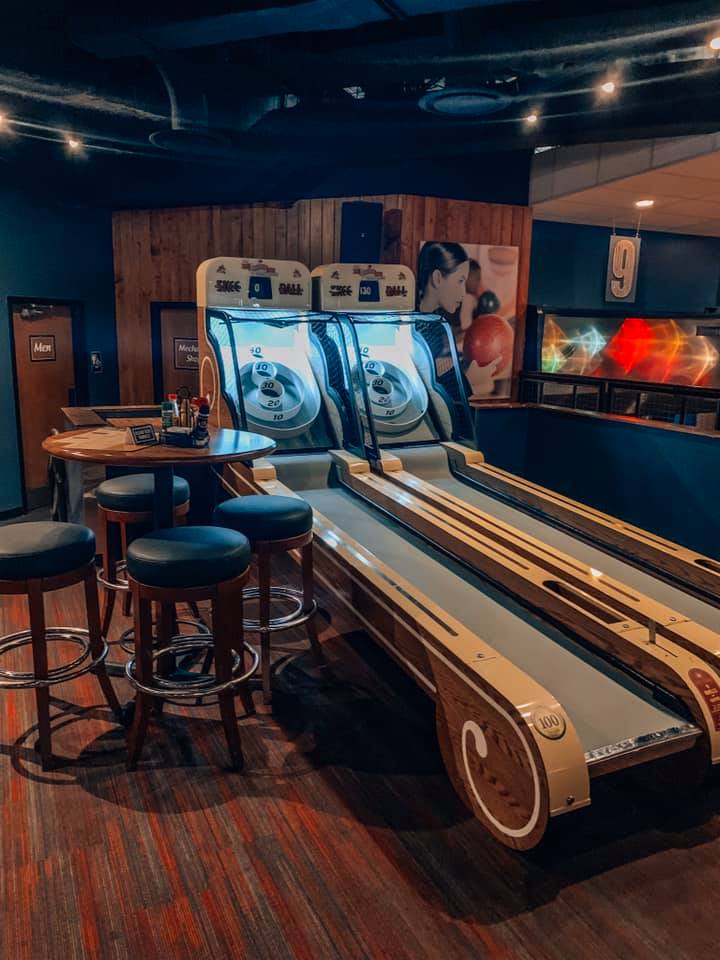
x: 706, y: 167
x: 693, y: 210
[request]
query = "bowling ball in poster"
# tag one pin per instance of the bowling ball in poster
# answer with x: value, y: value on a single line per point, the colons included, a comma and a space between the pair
x: 489, y: 340
x: 488, y: 302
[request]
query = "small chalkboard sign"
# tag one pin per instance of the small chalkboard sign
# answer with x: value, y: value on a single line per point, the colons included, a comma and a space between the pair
x: 141, y: 435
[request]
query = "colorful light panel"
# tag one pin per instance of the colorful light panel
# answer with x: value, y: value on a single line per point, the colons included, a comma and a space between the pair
x: 632, y: 348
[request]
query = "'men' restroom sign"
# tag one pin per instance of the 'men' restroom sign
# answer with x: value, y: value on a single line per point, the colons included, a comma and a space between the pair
x: 42, y: 348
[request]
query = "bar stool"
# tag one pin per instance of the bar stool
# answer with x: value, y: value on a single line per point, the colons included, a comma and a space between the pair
x: 36, y: 558
x: 125, y: 509
x: 275, y: 524
x: 181, y: 564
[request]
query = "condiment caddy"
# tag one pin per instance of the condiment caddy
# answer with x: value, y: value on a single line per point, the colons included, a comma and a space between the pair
x: 184, y: 421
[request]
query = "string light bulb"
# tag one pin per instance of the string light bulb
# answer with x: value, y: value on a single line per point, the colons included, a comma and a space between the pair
x: 644, y: 204
x: 715, y: 43
x: 531, y: 118
x: 73, y: 144
x: 608, y: 87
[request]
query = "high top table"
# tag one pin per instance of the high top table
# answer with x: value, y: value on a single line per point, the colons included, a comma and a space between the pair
x: 109, y: 446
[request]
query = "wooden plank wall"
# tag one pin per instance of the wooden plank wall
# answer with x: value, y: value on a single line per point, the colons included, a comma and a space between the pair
x: 156, y: 253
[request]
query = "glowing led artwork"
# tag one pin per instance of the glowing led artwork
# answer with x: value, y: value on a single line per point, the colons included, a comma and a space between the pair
x: 634, y: 348
x: 578, y: 354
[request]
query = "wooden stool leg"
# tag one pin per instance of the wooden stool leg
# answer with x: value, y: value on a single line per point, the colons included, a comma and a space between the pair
x: 264, y: 618
x: 36, y: 605
x: 224, y: 620
x: 95, y: 636
x: 143, y: 670
x: 110, y: 561
x: 308, y: 587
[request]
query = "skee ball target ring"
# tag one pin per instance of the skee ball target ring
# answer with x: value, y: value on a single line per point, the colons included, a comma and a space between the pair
x: 397, y: 403
x: 277, y: 399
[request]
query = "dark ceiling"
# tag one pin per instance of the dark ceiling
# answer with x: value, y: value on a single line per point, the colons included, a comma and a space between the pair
x: 290, y: 92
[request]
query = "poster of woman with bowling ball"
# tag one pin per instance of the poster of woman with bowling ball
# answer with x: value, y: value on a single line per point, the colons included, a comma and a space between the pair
x: 474, y: 287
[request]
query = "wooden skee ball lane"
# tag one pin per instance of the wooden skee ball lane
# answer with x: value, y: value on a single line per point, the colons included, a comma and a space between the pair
x: 525, y: 715
x: 679, y: 565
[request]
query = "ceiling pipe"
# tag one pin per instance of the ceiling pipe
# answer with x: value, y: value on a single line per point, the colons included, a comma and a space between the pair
x: 190, y: 130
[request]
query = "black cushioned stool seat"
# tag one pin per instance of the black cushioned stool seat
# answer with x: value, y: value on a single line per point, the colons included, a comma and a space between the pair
x: 266, y: 517
x: 43, y: 549
x: 188, y: 556
x: 175, y: 565
x: 134, y: 493
x: 275, y: 524
x: 35, y: 559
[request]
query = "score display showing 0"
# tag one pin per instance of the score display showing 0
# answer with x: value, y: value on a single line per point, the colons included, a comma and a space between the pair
x: 260, y: 288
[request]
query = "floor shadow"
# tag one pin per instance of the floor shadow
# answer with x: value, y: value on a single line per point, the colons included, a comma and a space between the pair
x: 363, y: 735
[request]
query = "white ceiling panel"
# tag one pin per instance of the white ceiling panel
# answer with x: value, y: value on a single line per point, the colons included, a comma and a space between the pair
x: 686, y: 194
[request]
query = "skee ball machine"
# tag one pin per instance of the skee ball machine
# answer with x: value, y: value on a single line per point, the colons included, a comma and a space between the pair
x: 515, y: 751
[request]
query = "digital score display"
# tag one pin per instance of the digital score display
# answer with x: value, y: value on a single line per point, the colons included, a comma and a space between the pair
x: 260, y: 288
x: 369, y: 291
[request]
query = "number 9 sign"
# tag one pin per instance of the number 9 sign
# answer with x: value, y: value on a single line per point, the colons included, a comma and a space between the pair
x: 623, y: 260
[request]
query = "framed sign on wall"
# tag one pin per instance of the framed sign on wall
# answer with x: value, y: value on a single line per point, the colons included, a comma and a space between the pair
x: 622, y: 269
x: 42, y: 348
x: 185, y: 353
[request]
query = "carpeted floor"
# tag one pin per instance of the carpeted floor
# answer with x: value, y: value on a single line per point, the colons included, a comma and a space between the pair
x: 341, y: 839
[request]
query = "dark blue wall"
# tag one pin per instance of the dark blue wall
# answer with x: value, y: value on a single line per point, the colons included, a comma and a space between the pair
x: 677, y: 273
x: 654, y: 478
x: 53, y: 252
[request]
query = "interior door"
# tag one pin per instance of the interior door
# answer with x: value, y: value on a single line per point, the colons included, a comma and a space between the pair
x: 179, y: 345
x: 45, y: 365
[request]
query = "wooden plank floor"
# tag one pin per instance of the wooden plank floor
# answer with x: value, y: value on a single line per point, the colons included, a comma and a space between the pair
x: 341, y: 839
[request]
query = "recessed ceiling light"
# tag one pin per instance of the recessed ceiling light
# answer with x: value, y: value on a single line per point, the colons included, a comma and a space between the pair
x: 464, y: 102
x: 608, y: 87
x: 715, y: 43
x: 531, y: 118
x: 644, y: 203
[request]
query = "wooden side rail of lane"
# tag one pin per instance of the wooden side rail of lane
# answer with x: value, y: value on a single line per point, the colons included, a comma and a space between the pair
x: 691, y: 571
x: 483, y: 532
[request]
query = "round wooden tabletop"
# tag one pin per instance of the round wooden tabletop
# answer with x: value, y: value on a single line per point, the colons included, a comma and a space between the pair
x: 109, y: 445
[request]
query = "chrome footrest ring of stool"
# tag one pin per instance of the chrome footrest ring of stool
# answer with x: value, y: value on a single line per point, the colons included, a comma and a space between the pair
x: 126, y: 639
x: 180, y: 691
x: 297, y: 616
x: 82, y: 664
x: 121, y: 585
